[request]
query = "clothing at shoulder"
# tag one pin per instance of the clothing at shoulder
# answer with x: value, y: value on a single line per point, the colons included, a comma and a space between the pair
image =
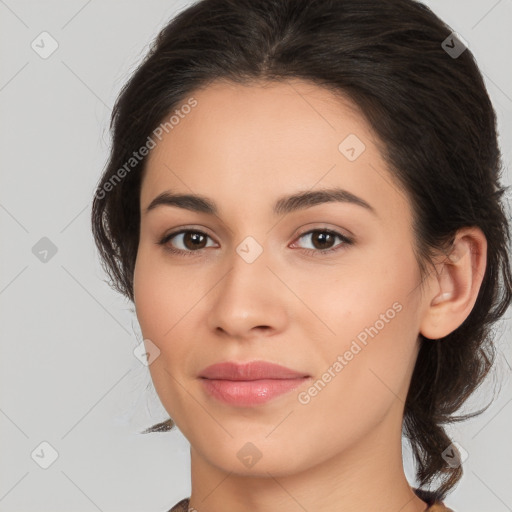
x: 439, y: 507
x: 181, y: 506
x: 429, y: 498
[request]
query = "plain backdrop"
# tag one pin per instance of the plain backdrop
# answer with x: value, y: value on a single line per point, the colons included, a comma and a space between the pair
x: 72, y: 393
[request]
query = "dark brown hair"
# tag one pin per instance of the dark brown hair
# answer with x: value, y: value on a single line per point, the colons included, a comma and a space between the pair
x: 434, y: 120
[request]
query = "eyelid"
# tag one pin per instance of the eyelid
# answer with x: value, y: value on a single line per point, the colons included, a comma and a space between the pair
x: 344, y: 233
x: 185, y: 229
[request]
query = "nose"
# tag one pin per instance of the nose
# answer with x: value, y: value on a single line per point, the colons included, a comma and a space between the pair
x: 249, y: 301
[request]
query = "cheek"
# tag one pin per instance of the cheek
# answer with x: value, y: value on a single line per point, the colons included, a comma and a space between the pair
x: 159, y: 309
x: 348, y: 298
x: 166, y: 303
x: 154, y: 301
x: 161, y: 294
x: 374, y: 305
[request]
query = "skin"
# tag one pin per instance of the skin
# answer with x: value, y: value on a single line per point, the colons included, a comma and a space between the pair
x: 244, y: 147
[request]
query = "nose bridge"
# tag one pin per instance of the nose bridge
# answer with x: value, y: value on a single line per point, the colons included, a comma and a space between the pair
x: 248, y: 295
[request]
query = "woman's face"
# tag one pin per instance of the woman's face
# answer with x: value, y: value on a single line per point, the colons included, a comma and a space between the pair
x: 251, y: 282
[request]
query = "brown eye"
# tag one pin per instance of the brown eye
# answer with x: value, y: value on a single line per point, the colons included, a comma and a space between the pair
x: 322, y: 241
x: 187, y: 241
x: 194, y: 240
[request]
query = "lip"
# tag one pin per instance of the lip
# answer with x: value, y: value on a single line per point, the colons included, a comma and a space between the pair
x: 249, y: 384
x: 253, y: 370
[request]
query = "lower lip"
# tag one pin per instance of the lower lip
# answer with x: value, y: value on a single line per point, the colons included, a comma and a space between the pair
x: 249, y: 392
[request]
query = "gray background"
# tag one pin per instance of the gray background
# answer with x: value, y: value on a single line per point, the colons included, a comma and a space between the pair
x: 68, y: 373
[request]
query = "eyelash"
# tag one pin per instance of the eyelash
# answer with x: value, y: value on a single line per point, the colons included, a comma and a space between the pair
x: 310, y: 252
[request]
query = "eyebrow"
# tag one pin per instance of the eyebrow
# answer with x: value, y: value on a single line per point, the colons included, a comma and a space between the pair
x: 284, y: 205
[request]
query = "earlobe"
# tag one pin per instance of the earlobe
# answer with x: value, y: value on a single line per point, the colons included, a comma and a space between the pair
x: 455, y: 284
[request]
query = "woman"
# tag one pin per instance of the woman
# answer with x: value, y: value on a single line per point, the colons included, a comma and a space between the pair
x: 303, y: 202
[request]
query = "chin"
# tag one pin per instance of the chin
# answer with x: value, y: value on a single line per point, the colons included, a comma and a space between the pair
x: 252, y: 456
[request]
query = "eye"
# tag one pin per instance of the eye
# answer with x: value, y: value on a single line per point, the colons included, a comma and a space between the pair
x: 190, y: 241
x: 322, y: 240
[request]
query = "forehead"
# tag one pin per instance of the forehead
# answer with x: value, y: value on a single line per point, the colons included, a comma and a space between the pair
x: 250, y: 142
x: 261, y: 114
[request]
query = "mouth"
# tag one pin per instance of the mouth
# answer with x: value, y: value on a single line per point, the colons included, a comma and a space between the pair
x: 249, y: 384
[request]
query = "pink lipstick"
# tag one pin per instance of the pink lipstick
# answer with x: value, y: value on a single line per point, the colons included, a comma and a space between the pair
x: 248, y: 384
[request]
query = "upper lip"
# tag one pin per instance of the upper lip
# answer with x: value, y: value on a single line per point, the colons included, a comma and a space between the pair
x: 254, y: 370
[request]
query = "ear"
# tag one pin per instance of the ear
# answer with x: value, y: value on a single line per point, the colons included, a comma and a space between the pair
x: 454, y: 285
